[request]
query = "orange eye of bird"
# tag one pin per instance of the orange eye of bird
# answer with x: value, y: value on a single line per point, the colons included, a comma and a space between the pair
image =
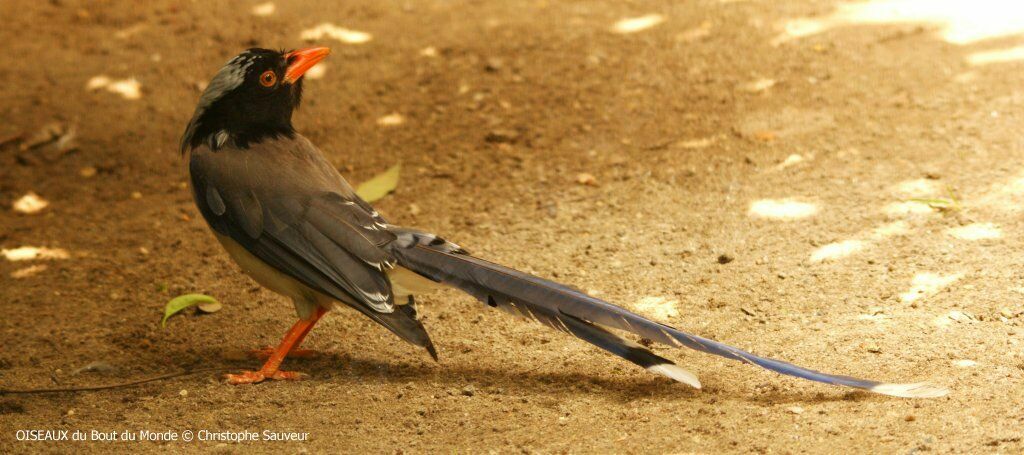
x: 268, y: 78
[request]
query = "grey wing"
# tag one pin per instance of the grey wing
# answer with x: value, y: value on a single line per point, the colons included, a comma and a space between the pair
x: 312, y: 232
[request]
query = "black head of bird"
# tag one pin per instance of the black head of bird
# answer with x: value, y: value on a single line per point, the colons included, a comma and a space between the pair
x: 251, y: 97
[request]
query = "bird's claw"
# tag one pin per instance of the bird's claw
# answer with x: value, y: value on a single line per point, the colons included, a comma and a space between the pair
x: 254, y: 377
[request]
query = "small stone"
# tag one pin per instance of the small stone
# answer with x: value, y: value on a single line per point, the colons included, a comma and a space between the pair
x: 586, y: 179
x: 136, y: 195
x: 502, y: 136
x: 469, y: 390
x: 87, y: 172
x: 796, y: 410
x: 414, y: 209
x: 909, y: 418
x: 725, y: 258
x: 183, y: 393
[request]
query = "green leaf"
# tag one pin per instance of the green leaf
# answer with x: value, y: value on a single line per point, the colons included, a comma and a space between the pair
x: 380, y: 185
x: 184, y: 301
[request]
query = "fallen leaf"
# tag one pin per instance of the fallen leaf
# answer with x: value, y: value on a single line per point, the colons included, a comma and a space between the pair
x: 380, y: 185
x: 209, y: 307
x: 184, y: 301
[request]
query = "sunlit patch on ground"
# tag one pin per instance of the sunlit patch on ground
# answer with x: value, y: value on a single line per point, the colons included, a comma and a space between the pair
x: 958, y: 21
x: 782, y: 209
x: 658, y: 307
x: 316, y: 72
x: 997, y: 56
x: 907, y: 208
x: 928, y: 284
x: 976, y: 231
x: 757, y: 86
x: 790, y: 160
x: 918, y: 187
x: 391, y: 120
x: 29, y: 271
x: 890, y: 229
x: 837, y: 250
x: 29, y: 204
x: 332, y: 31
x: 28, y: 253
x: 637, y: 24
x: 128, y: 88
x: 954, y: 316
x: 264, y: 9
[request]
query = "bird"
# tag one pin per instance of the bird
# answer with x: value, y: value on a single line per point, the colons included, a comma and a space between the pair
x: 290, y: 220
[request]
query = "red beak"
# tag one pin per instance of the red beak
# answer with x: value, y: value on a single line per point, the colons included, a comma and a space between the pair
x: 302, y: 60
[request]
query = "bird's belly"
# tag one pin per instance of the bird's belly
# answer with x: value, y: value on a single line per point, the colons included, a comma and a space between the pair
x: 266, y: 275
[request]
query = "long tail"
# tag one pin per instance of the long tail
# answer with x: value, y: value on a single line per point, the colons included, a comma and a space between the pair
x: 574, y: 312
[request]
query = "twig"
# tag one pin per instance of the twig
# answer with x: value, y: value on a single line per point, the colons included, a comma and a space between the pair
x: 10, y: 138
x: 111, y: 386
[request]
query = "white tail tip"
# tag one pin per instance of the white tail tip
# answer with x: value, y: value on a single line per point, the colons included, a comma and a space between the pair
x: 916, y: 390
x: 676, y: 373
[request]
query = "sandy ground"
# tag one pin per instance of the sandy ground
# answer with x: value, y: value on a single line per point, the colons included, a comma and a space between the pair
x: 863, y: 176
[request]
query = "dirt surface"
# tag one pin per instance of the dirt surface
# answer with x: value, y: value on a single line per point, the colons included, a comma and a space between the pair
x: 747, y: 188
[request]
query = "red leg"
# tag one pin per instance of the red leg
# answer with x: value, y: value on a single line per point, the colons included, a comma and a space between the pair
x: 271, y: 369
x: 268, y: 351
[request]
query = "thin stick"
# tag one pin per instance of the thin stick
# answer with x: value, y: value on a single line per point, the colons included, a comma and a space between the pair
x: 111, y: 386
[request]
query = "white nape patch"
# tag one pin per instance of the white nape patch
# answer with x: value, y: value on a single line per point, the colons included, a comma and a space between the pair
x: 28, y: 253
x: 997, y: 56
x: 976, y: 231
x: 264, y: 9
x: 916, y: 390
x: 907, y: 208
x: 128, y: 88
x: 837, y: 250
x: 316, y: 72
x: 637, y: 24
x: 676, y: 373
x: 926, y: 284
x: 394, y: 119
x: 658, y: 307
x: 959, y: 22
x: 30, y: 204
x: 782, y: 209
x: 342, y: 34
x: 918, y: 187
x: 964, y: 363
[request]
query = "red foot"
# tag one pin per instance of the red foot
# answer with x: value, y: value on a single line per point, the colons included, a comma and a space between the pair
x: 265, y: 352
x: 253, y: 377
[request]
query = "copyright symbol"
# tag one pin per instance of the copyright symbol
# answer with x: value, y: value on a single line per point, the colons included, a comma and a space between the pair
x: 186, y: 435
